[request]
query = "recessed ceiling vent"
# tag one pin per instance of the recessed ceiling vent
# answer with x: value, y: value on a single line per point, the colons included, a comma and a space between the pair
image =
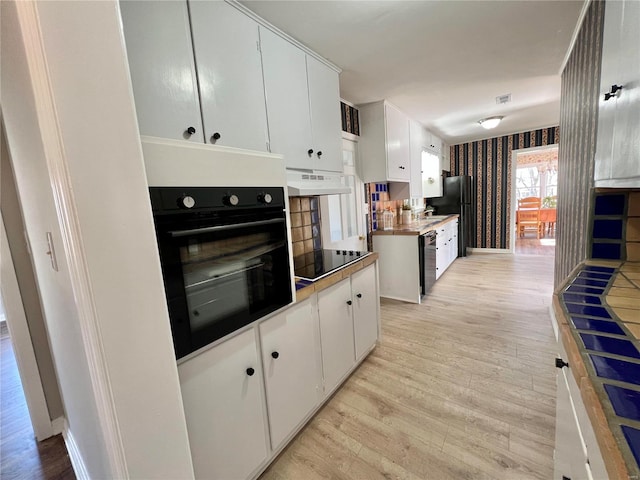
x: 503, y: 99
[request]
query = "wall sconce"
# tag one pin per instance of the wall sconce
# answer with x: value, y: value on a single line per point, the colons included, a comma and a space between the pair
x: 490, y: 122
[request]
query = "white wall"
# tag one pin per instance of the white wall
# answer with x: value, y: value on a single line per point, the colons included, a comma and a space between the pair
x: 105, y: 307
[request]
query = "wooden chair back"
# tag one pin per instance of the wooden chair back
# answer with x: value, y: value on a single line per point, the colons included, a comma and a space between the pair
x: 529, y: 215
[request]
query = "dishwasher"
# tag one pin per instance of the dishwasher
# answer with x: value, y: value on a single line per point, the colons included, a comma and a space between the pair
x: 427, y: 259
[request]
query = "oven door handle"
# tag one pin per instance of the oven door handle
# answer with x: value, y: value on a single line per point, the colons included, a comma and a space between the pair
x: 221, y: 228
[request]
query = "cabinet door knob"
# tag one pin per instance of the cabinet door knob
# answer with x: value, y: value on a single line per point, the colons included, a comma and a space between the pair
x: 612, y: 93
x: 310, y: 151
x: 319, y: 154
x: 349, y: 302
x: 359, y: 295
x: 275, y: 354
x: 561, y: 363
x: 191, y: 130
x: 215, y: 137
x: 250, y: 371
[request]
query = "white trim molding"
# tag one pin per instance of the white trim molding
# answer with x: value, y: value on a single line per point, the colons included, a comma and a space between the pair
x: 488, y: 250
x: 57, y: 425
x: 75, y: 456
x: 72, y: 240
x: 21, y: 340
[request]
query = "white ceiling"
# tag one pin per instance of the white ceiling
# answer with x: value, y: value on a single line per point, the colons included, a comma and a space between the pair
x: 441, y: 62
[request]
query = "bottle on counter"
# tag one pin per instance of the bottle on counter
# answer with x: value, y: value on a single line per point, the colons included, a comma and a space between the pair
x: 387, y: 220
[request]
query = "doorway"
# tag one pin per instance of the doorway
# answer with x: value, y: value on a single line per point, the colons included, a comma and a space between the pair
x: 534, y: 200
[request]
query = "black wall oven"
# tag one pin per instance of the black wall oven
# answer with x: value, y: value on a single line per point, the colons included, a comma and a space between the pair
x: 224, y: 256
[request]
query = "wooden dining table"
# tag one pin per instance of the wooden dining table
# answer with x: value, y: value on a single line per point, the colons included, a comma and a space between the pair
x: 547, y: 217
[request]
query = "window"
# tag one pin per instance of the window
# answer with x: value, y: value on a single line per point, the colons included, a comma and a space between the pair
x: 342, y: 215
x: 536, y: 181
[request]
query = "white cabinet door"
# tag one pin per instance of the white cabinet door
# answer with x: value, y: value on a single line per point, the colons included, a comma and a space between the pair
x: 435, y: 144
x: 287, y: 96
x: 163, y: 74
x: 397, y: 132
x: 416, y: 141
x: 336, y: 332
x: 626, y: 136
x: 441, y: 252
x: 326, y: 127
x: 292, y: 370
x: 453, y: 244
x: 224, y: 408
x: 365, y: 309
x: 226, y: 45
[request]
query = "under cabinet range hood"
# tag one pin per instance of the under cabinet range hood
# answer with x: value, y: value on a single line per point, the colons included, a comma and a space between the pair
x: 303, y: 183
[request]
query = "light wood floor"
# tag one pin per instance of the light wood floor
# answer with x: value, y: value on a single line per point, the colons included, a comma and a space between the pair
x: 461, y: 387
x: 534, y: 246
x: 21, y: 456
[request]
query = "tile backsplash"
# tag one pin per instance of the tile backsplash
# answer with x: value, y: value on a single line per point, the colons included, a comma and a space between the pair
x: 615, y: 233
x: 305, y: 227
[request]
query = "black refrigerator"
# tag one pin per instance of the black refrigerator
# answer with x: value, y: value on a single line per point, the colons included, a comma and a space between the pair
x: 458, y: 197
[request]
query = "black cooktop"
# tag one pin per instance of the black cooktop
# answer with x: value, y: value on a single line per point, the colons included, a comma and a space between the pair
x: 316, y: 264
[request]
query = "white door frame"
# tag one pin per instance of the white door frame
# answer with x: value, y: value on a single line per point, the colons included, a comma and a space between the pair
x: 21, y: 340
x: 514, y: 201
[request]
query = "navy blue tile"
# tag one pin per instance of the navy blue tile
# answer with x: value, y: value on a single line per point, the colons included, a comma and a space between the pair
x: 577, y: 298
x: 302, y: 283
x: 587, y: 310
x: 616, y: 369
x: 633, y: 439
x: 616, y: 346
x: 626, y: 403
x: 590, y: 283
x: 610, y: 204
x: 584, y: 289
x: 594, y: 275
x: 607, y: 229
x: 603, y: 326
x: 595, y: 268
x: 610, y: 251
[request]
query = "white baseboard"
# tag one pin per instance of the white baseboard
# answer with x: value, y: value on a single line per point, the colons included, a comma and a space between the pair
x: 57, y: 425
x: 74, y: 454
x: 489, y: 250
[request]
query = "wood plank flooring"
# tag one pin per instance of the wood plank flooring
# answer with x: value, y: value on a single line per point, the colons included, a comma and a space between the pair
x: 460, y: 387
x: 21, y: 456
x: 534, y: 246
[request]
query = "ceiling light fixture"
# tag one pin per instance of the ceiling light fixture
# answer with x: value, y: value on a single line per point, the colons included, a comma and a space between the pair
x: 491, y: 122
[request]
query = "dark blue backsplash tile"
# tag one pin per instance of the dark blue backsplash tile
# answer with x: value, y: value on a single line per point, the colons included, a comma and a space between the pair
x: 590, y: 283
x: 578, y: 298
x: 610, y: 204
x: 626, y: 403
x: 615, y: 346
x: 584, y: 289
x: 607, y: 229
x: 587, y: 310
x: 595, y: 268
x: 633, y: 439
x: 616, y: 369
x: 594, y: 275
x: 603, y: 326
x: 609, y: 251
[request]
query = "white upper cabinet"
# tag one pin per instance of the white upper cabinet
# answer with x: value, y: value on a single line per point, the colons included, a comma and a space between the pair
x: 285, y: 82
x: 416, y: 140
x: 163, y: 74
x: 326, y: 124
x: 384, y: 143
x: 303, y: 105
x: 226, y: 46
x: 433, y: 143
x: 617, y: 162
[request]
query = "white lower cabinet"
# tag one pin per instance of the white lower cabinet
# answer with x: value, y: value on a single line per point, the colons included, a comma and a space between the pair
x: 234, y: 401
x: 365, y: 309
x: 223, y: 400
x: 336, y: 332
x: 446, y: 246
x: 292, y: 370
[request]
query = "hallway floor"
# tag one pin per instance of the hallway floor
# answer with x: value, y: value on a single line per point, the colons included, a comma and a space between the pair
x: 21, y: 456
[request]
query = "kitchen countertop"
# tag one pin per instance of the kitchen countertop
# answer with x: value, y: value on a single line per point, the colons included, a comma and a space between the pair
x: 598, y: 314
x: 306, y: 288
x: 418, y: 227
